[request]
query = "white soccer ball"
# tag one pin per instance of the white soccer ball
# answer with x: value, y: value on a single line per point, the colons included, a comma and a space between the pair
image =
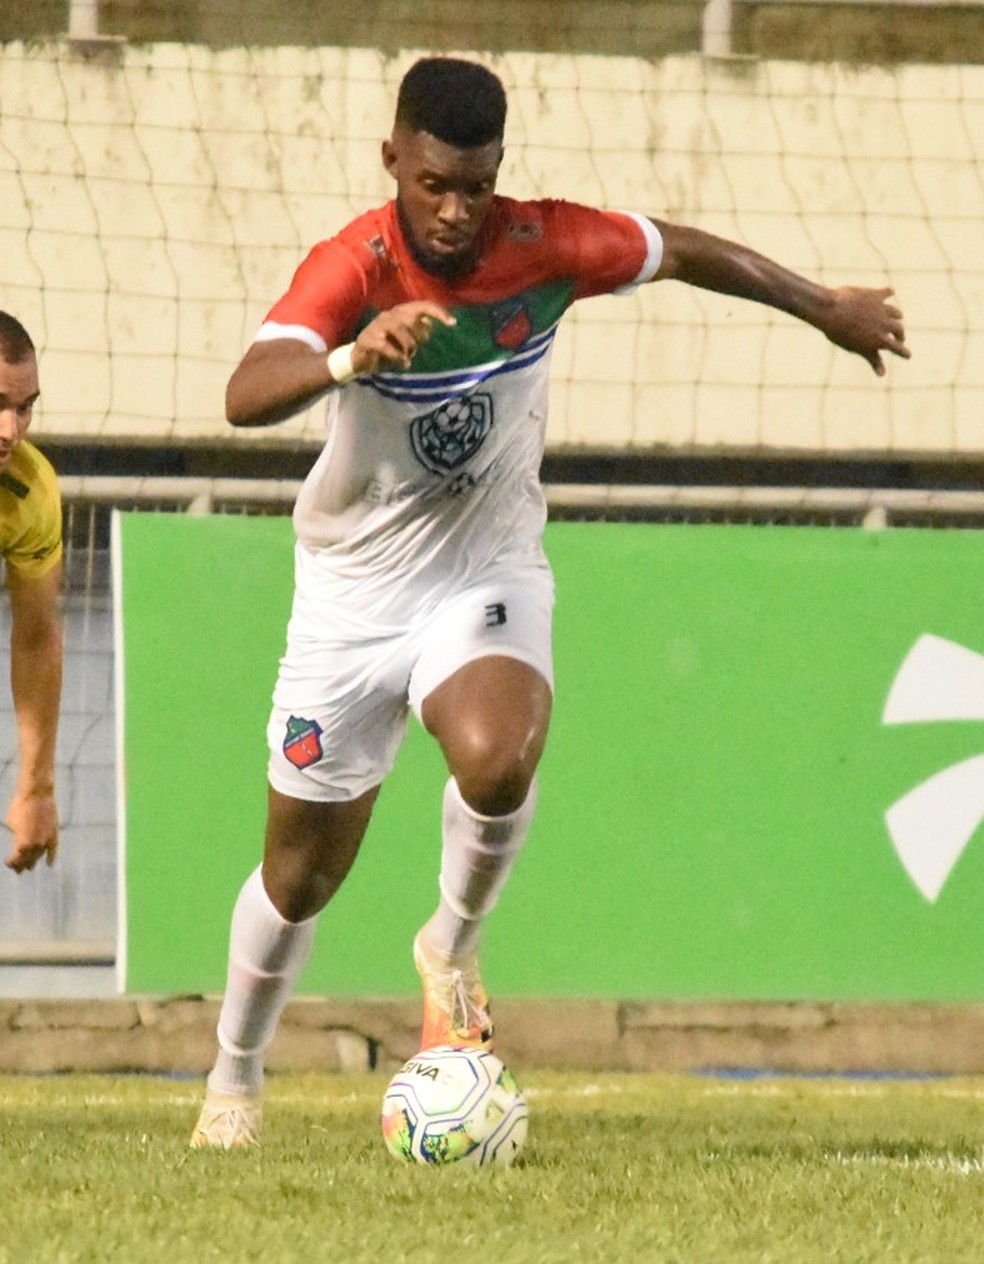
x: 454, y: 1106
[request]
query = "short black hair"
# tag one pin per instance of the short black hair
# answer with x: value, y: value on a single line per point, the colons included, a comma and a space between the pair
x: 459, y: 102
x: 15, y: 342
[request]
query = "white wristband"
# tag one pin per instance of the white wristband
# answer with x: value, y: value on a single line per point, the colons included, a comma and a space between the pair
x: 340, y: 364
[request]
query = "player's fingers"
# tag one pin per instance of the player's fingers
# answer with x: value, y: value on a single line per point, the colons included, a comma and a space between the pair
x: 895, y: 339
x: 398, y: 342
x: 423, y: 328
x: 417, y: 334
x: 406, y: 348
x: 427, y: 308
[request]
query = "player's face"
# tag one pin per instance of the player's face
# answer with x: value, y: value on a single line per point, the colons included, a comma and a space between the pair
x: 18, y: 391
x: 444, y: 195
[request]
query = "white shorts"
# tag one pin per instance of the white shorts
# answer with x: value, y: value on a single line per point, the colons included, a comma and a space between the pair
x: 347, y: 682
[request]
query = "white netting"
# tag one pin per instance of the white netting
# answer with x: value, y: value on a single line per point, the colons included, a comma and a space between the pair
x: 154, y: 201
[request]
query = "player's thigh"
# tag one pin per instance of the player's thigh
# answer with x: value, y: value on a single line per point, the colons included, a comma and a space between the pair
x: 339, y: 715
x: 340, y: 708
x: 483, y: 685
x: 509, y: 615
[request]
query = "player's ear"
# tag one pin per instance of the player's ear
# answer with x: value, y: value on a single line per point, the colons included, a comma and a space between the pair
x: 389, y: 157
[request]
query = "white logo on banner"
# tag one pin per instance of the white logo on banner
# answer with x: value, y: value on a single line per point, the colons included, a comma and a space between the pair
x: 932, y: 824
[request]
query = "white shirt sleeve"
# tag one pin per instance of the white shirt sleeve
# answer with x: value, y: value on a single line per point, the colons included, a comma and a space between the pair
x: 270, y: 330
x: 654, y: 254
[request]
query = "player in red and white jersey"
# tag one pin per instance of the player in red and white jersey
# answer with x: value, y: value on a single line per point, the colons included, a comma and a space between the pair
x: 448, y: 448
x: 420, y: 580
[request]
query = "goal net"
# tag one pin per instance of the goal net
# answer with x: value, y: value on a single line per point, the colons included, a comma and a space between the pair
x: 157, y: 198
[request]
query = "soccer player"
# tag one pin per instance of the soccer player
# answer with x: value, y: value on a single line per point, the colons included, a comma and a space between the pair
x: 31, y: 546
x: 420, y: 580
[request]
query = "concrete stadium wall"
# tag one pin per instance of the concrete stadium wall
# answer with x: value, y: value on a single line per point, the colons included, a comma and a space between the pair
x: 178, y: 1036
x: 155, y: 200
x: 643, y: 28
x: 850, y: 30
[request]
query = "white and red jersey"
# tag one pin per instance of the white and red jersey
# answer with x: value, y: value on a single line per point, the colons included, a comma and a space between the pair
x: 434, y: 471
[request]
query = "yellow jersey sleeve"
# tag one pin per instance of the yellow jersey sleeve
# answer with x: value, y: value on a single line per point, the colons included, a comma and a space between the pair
x: 30, y: 513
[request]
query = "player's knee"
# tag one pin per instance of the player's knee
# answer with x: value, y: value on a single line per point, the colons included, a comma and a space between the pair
x: 494, y: 780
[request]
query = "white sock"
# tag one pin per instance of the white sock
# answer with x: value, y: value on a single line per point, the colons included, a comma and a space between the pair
x: 476, y: 859
x: 266, y: 955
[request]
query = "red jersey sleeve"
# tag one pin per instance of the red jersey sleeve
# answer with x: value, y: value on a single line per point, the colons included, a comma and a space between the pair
x: 328, y: 292
x: 603, y: 250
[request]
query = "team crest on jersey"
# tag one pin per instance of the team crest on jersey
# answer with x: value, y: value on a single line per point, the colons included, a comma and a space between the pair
x: 511, y: 324
x: 447, y: 437
x: 302, y: 742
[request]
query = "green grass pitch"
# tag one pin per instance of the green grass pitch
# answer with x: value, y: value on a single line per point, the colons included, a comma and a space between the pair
x: 617, y: 1167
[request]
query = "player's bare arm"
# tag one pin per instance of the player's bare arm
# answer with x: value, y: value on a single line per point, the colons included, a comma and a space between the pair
x: 36, y: 673
x: 282, y: 376
x: 856, y: 318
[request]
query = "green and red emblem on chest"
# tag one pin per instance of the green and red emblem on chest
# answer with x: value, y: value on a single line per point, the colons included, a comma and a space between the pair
x: 302, y: 742
x: 511, y: 324
x: 489, y: 331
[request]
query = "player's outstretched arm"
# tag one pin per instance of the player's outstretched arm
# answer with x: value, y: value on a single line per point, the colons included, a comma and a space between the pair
x: 282, y: 376
x: 35, y: 675
x: 856, y: 318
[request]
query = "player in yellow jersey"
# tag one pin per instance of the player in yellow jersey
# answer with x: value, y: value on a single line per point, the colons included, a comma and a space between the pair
x: 31, y: 547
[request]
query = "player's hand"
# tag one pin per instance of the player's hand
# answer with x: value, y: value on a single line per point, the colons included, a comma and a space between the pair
x: 863, y: 321
x: 33, y: 820
x: 393, y: 338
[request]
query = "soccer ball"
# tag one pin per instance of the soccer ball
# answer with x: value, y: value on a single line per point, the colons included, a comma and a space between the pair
x: 454, y: 1106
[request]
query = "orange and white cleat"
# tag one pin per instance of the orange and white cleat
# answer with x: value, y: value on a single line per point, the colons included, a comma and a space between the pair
x: 456, y: 1007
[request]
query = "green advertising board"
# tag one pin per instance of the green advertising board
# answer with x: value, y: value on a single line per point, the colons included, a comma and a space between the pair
x: 764, y: 779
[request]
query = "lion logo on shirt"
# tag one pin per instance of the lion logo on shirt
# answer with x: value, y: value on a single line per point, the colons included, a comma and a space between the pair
x: 445, y: 438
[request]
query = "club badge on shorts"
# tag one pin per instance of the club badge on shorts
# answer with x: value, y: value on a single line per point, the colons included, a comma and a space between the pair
x: 302, y: 742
